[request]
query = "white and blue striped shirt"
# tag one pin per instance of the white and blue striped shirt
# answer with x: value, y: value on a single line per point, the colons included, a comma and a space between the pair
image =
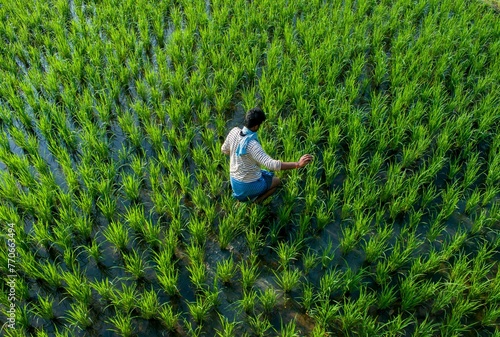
x: 246, y: 168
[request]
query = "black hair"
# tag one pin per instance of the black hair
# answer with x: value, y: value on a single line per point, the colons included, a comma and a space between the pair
x: 254, y: 116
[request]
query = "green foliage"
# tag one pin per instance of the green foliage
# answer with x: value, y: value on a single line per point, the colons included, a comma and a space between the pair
x: 111, y: 122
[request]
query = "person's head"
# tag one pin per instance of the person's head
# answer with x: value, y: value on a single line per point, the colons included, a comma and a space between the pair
x: 254, y: 117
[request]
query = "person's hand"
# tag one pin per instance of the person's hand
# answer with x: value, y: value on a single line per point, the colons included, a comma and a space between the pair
x: 305, y: 159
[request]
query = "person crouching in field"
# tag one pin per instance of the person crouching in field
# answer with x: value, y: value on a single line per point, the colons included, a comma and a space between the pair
x: 248, y: 181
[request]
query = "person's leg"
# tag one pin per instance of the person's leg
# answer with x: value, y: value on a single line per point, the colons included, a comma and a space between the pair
x: 274, y: 186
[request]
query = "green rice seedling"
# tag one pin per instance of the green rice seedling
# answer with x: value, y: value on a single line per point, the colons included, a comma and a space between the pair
x: 79, y: 316
x: 289, y: 330
x: 70, y: 259
x: 287, y: 252
x: 225, y: 270
x: 198, y: 229
x: 445, y: 297
x: 325, y: 312
x: 260, y: 325
x: 229, y: 228
x: 356, y: 312
x: 126, y: 299
x: 427, y: 327
x: 491, y: 316
x: 382, y: 272
x: 195, y: 253
x: 200, y: 308
x: 122, y: 324
x: 154, y: 171
x: 94, y: 250
x: 249, y: 272
x: 228, y: 329
x: 481, y: 268
x: 131, y: 186
x: 397, y: 325
x: 401, y: 253
x: 45, y: 307
x: 248, y: 301
x: 308, y: 298
x: 268, y: 299
x: 452, y: 246
x: 414, y: 291
x: 255, y: 239
x: 50, y: 273
x: 117, y: 234
x: 387, y: 297
x: 491, y: 192
x: 352, y: 280
x: 149, y: 304
x: 151, y: 233
x: 479, y: 222
x: 329, y: 283
x: 134, y: 264
x: 135, y: 217
x: 471, y: 173
x: 350, y: 238
x: 435, y: 229
x: 288, y: 279
x: 426, y: 265
x: 83, y: 226
x: 107, y: 205
x: 168, y: 318
x: 199, y: 197
x: 77, y: 286
x: 310, y: 260
x: 168, y: 278
x: 104, y: 288
x: 197, y: 275
x: 323, y: 216
x: 377, y: 245
x: 327, y: 255
x: 462, y: 308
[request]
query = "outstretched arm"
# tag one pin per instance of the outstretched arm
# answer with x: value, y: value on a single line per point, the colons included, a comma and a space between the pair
x: 303, y: 161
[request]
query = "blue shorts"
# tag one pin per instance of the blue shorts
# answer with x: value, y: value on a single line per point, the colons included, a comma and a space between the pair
x: 247, y: 191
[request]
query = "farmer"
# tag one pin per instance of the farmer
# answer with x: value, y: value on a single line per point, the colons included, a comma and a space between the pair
x: 248, y: 181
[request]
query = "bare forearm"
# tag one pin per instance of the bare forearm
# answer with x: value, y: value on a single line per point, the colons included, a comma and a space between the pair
x: 289, y: 165
x: 304, y: 160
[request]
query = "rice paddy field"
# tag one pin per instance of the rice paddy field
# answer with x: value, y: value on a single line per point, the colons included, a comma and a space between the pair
x: 116, y: 213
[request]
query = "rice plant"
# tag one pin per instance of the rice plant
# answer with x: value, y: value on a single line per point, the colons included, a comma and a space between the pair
x: 76, y: 287
x: 268, y: 299
x: 125, y: 300
x: 200, y: 308
x: 228, y: 329
x: 225, y: 270
x: 249, y: 272
x: 79, y: 315
x: 117, y: 234
x: 45, y: 308
x: 122, y: 324
x: 288, y: 279
x: 414, y: 291
x: 248, y: 301
x: 287, y: 252
x: 149, y: 304
x: 289, y: 330
x: 260, y: 325
x: 168, y: 318
x: 134, y: 264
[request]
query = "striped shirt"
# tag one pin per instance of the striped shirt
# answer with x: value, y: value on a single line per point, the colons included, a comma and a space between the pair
x: 246, y: 168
